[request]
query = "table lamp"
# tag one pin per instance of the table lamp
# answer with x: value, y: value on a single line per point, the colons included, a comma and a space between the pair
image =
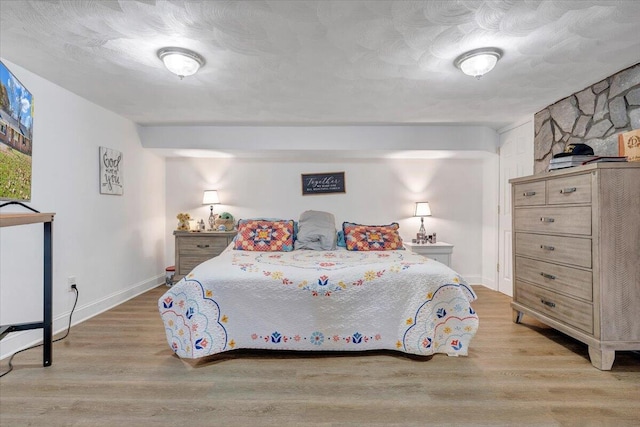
x: 422, y: 210
x: 210, y: 197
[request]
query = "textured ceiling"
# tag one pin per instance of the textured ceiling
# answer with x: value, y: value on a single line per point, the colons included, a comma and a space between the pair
x: 321, y: 62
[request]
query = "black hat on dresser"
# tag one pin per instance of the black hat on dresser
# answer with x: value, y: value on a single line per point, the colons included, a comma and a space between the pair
x: 575, y: 150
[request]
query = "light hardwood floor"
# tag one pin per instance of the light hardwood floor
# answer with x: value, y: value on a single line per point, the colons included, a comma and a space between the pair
x: 116, y: 369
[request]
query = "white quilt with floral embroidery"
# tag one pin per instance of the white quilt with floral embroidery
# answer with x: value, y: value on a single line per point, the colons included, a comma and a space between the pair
x: 319, y: 300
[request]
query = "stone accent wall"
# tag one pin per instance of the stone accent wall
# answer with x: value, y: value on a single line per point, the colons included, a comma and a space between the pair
x: 594, y: 116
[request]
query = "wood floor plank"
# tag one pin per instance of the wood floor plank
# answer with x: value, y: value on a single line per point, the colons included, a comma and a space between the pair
x: 117, y: 369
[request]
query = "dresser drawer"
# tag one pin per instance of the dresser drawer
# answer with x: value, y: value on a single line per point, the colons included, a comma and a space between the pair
x: 202, y: 246
x: 567, y: 250
x: 572, y: 189
x: 188, y: 263
x: 576, y: 313
x: 566, y: 280
x: 565, y: 220
x: 193, y: 249
x: 529, y: 194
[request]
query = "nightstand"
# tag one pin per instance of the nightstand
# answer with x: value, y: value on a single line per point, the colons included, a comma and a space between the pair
x: 194, y: 248
x: 439, y: 251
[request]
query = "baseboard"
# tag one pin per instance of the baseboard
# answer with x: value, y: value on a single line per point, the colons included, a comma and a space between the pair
x: 489, y: 283
x: 19, y: 340
x: 472, y: 280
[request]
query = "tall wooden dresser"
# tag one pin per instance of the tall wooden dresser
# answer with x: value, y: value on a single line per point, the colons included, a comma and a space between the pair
x: 576, y: 254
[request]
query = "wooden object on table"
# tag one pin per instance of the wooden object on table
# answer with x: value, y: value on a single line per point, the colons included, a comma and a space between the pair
x: 440, y: 251
x: 193, y: 248
x: 629, y: 145
x: 14, y: 219
x: 576, y: 255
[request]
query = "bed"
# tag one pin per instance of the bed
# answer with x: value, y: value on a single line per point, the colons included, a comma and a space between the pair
x: 319, y: 300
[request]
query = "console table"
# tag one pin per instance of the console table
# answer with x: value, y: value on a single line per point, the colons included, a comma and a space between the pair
x: 13, y: 219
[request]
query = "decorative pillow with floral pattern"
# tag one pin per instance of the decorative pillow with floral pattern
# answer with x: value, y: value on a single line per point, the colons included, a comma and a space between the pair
x: 261, y: 235
x: 372, y: 237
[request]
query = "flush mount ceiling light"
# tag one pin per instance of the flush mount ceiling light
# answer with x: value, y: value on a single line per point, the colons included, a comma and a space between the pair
x: 478, y: 62
x: 182, y: 62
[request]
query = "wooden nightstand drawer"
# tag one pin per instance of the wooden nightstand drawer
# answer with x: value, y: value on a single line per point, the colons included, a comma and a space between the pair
x: 193, y: 249
x: 572, y: 189
x: 565, y: 309
x: 188, y: 263
x: 559, y: 249
x: 202, y: 245
x: 566, y: 280
x: 529, y: 194
x: 564, y: 220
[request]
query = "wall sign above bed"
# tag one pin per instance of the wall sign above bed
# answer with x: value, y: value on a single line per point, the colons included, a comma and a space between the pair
x: 323, y: 183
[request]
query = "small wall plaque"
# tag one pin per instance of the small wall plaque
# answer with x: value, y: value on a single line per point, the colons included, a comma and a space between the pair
x: 111, y: 171
x: 323, y: 183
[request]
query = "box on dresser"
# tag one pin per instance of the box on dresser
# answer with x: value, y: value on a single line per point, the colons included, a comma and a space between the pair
x: 576, y: 254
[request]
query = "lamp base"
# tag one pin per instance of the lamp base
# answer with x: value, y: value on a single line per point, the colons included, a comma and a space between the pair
x: 212, y: 220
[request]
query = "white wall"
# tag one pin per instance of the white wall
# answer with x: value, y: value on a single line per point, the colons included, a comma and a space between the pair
x: 114, y: 245
x: 346, y: 140
x: 378, y: 191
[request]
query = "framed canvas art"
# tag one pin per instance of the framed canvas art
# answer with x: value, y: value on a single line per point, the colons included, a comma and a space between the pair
x: 323, y: 183
x: 111, y: 172
x: 16, y: 137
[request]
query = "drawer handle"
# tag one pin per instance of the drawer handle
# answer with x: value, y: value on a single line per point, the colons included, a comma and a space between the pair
x: 548, y: 303
x: 203, y: 246
x: 547, y: 248
x: 547, y: 219
x: 568, y: 190
x: 548, y: 276
x: 529, y: 193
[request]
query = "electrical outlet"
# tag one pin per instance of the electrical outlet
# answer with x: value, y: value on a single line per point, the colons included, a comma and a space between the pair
x: 71, y: 281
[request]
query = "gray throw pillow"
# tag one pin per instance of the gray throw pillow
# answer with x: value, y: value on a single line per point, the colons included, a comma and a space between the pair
x: 316, y: 231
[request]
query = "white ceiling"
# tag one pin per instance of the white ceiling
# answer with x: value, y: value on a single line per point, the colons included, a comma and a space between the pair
x: 321, y: 62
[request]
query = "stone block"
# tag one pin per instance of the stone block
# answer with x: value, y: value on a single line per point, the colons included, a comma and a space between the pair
x: 633, y: 97
x: 604, y: 146
x: 599, y: 129
x: 557, y: 148
x: 581, y: 126
x: 543, y: 141
x: 557, y: 132
x: 600, y: 86
x: 542, y: 165
x: 574, y: 140
x: 618, y: 112
x: 539, y: 119
x: 602, y: 107
x: 586, y: 101
x: 634, y: 118
x: 624, y: 80
x: 565, y: 112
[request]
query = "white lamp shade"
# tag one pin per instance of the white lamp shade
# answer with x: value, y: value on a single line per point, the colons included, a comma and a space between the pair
x: 210, y: 197
x: 422, y: 209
